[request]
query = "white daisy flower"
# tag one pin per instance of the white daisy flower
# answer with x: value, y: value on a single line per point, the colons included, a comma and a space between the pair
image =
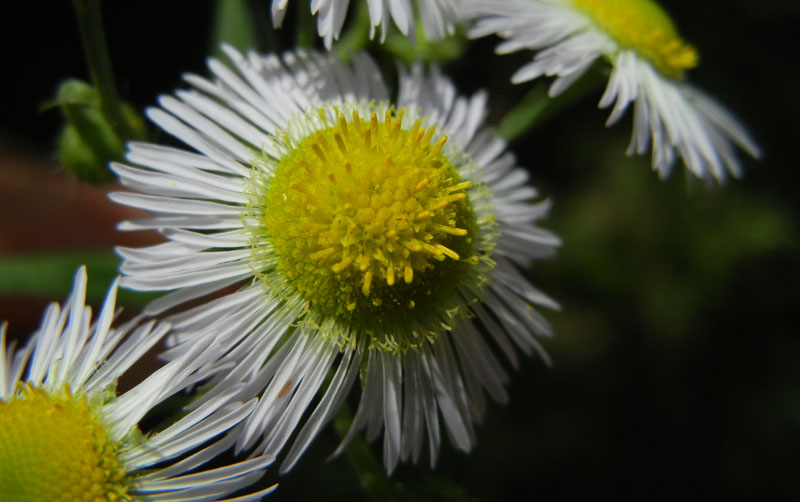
x: 648, y: 60
x: 66, y: 436
x: 374, y: 240
x: 437, y: 17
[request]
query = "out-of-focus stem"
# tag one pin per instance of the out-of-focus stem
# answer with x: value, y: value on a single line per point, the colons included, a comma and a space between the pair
x: 370, y: 472
x: 90, y: 25
x: 537, y: 107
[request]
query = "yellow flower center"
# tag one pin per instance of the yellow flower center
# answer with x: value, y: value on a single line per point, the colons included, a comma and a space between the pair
x: 53, y: 448
x: 371, y: 225
x: 642, y: 25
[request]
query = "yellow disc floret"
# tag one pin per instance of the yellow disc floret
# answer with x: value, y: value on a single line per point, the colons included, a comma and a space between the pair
x: 370, y: 222
x: 54, y: 448
x: 642, y: 25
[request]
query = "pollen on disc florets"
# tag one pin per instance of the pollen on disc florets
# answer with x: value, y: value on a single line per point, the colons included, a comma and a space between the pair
x: 642, y: 25
x: 54, y: 447
x: 372, y: 226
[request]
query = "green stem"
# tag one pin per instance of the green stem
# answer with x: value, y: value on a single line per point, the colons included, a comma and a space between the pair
x: 270, y: 41
x: 357, y: 35
x: 537, y: 107
x: 234, y: 23
x: 90, y: 24
x: 305, y: 29
x: 369, y: 470
x: 526, y: 113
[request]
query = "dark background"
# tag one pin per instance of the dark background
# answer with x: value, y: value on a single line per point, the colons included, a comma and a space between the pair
x: 676, y: 357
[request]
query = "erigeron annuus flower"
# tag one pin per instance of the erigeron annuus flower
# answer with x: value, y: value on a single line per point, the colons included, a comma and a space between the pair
x: 372, y: 239
x: 648, y: 59
x: 437, y: 16
x: 66, y: 436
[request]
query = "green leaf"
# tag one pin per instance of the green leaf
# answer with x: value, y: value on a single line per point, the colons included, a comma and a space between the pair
x: 49, y: 275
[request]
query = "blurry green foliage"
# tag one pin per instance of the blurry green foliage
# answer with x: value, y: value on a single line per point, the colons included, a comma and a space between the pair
x: 50, y: 275
x: 439, y: 51
x: 234, y: 23
x: 655, y: 251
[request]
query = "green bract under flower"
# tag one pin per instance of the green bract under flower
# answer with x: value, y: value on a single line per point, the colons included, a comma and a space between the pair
x: 371, y: 225
x: 642, y: 25
x: 54, y: 447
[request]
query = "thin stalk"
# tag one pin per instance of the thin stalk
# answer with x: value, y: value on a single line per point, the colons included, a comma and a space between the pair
x: 90, y: 25
x: 370, y: 471
x: 537, y: 107
x: 305, y: 31
x: 234, y: 23
x: 270, y: 41
x: 357, y: 35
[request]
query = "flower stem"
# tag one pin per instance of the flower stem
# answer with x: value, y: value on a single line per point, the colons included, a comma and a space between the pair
x: 369, y: 470
x: 90, y: 24
x: 234, y: 23
x: 357, y: 35
x: 304, y: 29
x: 537, y: 107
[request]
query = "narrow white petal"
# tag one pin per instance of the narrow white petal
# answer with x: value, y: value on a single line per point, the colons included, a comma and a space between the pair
x: 334, y: 397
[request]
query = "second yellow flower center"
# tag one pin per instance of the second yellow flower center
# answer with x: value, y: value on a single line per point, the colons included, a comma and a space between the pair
x: 642, y: 25
x: 54, y: 448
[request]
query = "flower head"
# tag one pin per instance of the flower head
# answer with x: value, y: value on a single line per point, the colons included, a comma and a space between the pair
x: 438, y: 17
x: 649, y: 60
x: 66, y: 436
x: 373, y: 238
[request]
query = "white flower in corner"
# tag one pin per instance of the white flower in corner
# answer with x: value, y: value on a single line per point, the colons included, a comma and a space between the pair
x: 66, y: 436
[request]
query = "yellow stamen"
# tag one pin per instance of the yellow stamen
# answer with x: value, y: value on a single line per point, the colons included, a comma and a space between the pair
x: 367, y: 283
x: 323, y: 253
x: 452, y: 230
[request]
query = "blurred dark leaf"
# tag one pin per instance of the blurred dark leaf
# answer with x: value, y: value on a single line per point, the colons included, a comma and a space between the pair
x: 50, y: 275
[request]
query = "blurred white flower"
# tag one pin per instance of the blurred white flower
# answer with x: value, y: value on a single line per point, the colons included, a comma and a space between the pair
x: 648, y: 59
